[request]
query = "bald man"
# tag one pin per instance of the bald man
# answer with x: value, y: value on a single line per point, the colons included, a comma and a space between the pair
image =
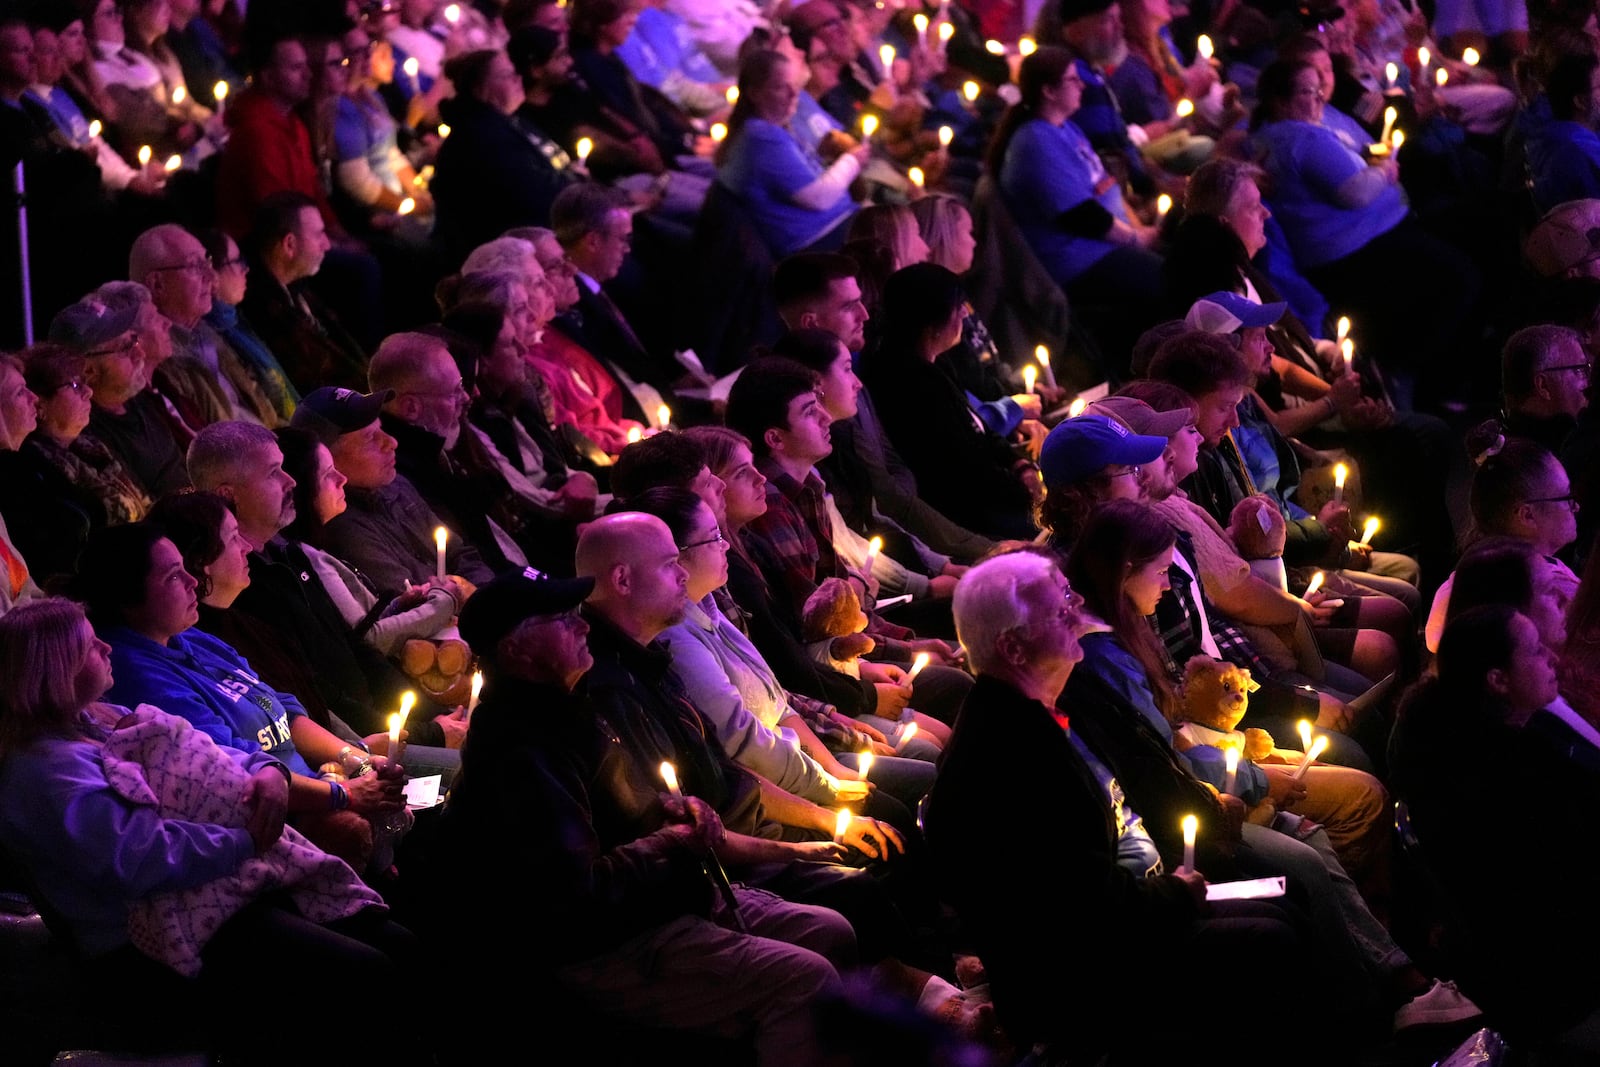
x: 170, y: 262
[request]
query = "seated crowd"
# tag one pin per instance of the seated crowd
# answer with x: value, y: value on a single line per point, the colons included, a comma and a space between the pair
x: 777, y: 460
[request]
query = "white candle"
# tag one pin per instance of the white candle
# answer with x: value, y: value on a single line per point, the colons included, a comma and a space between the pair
x: 865, y: 765
x: 907, y: 732
x: 219, y: 92
x: 920, y: 21
x: 1230, y: 760
x: 1389, y: 115
x: 1370, y: 529
x: 1347, y: 349
x: 841, y: 824
x: 1304, y: 726
x: 1030, y: 376
x: 1026, y: 46
x: 874, y: 546
x: 440, y: 537
x: 669, y: 774
x: 886, y: 57
x: 1318, y: 746
x: 916, y: 666
x: 1204, y: 47
x: 477, y: 688
x: 1314, y: 584
x: 1191, y: 826
x: 1340, y: 473
x: 1042, y: 354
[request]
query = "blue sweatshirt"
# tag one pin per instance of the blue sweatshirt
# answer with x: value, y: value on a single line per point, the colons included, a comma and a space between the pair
x: 202, y: 679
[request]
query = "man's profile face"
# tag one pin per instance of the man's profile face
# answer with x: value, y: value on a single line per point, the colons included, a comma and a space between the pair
x: 842, y: 313
x: 263, y: 494
x: 806, y: 440
x: 1216, y: 412
x: 290, y: 72
x: 311, y: 243
x: 365, y: 456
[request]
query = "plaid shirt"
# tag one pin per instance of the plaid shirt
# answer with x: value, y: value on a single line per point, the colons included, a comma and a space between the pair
x: 1177, y: 622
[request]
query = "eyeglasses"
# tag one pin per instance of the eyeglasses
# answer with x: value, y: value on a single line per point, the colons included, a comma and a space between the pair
x: 202, y: 265
x: 123, y: 349
x: 223, y: 264
x: 717, y: 540
x: 1570, y: 500
x: 1585, y: 369
x: 1127, y: 472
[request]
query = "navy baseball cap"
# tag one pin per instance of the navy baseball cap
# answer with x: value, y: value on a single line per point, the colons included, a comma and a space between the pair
x: 1230, y: 312
x: 502, y: 604
x: 1080, y: 448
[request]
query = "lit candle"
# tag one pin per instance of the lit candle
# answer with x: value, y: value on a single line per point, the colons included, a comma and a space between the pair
x: 1075, y: 408
x: 1370, y: 529
x: 1470, y: 56
x: 1347, y: 349
x: 1042, y: 354
x: 1030, y: 377
x: 1391, y: 74
x: 407, y: 206
x: 1163, y: 205
x: 907, y: 732
x: 477, y: 688
x: 865, y: 767
x: 732, y: 94
x: 1340, y: 473
x: 970, y: 91
x: 1343, y: 329
x: 397, y: 722
x: 1204, y: 47
x: 219, y: 92
x: 869, y: 125
x: 916, y: 176
x: 719, y: 131
x: 173, y: 163
x: 886, y: 57
x: 1191, y: 826
x: 1397, y: 140
x: 663, y: 416
x: 1441, y: 77
x: 994, y: 48
x: 634, y: 435
x: 585, y: 146
x: 144, y: 155
x: 1389, y: 115
x: 946, y: 135
x: 1026, y: 46
x: 179, y: 95
x: 452, y: 14
x: 444, y: 130
x: 874, y: 546
x: 412, y: 68
x: 947, y: 30
x: 920, y: 21
x: 1230, y: 760
x: 1318, y: 746
x: 1185, y: 108
x: 1315, y: 583
x: 841, y: 824
x: 1424, y: 57
x: 440, y: 536
x: 669, y: 774
x: 94, y: 128
x: 1304, y: 726
x: 916, y: 667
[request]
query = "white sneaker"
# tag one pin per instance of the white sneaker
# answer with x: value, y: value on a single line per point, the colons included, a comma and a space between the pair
x: 1440, y: 1004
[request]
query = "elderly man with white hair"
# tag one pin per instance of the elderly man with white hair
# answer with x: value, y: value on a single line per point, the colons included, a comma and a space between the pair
x: 1086, y: 939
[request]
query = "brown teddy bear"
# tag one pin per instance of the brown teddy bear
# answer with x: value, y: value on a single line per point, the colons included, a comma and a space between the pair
x: 831, y: 625
x: 441, y: 668
x: 1215, y: 697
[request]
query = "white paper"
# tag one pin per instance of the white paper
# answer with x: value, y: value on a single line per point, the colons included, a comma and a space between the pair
x: 1249, y: 889
x: 423, y: 792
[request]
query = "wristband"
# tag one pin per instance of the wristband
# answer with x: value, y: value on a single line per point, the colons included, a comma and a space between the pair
x: 338, y: 799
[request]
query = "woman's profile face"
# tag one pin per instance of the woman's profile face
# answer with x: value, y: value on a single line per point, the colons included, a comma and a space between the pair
x: 229, y: 573
x: 1147, y: 581
x: 329, y: 487
x: 94, y: 673
x: 1247, y: 217
x: 1530, y: 676
x: 703, y: 553
x: 1305, y: 98
x: 170, y: 605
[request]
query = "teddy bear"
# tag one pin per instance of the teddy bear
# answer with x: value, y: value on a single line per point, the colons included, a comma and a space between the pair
x: 831, y: 625
x: 441, y: 668
x: 1216, y: 695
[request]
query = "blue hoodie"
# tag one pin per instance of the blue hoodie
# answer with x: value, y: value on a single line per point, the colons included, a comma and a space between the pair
x: 202, y: 679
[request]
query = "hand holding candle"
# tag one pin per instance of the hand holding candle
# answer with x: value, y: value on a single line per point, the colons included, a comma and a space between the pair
x: 1318, y: 746
x: 1191, y: 826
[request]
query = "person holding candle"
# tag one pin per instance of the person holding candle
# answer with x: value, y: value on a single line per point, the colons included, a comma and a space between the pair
x: 607, y: 859
x: 136, y: 586
x: 1074, y: 878
x: 795, y: 202
x: 1151, y: 83
x: 99, y: 858
x: 1523, y: 941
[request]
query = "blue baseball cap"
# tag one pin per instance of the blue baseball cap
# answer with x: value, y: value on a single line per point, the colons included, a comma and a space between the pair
x: 1230, y: 312
x: 1080, y: 448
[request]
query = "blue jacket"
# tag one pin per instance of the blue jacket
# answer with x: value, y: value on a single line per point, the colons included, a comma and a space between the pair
x: 205, y: 681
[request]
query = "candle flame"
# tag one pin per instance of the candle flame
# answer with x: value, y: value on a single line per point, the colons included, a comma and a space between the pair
x: 440, y: 537
x: 1424, y: 57
x: 917, y: 664
x: 95, y: 128
x: 1441, y: 77
x: 408, y: 700
x: 452, y: 13
x: 179, y: 95
x: 663, y: 416
x: 1230, y: 759
x: 916, y: 176
x: 1347, y: 348
x: 477, y: 684
x: 444, y: 129
x: 1398, y: 139
x: 1318, y: 747
x: 669, y: 774
x: 1370, y: 529
x: 869, y: 125
x: 585, y: 146
x: 1185, y: 108
x: 1470, y: 56
x: 886, y: 57
x: 865, y: 764
x: 634, y: 435
x: 970, y: 91
x: 1191, y: 826
x: 1026, y: 46
x: 1340, y: 473
x: 920, y: 22
x: 1042, y: 354
x: 1076, y: 407
x: 1343, y: 330
x: 411, y: 67
x: 946, y: 135
x: 946, y: 31
x: 173, y: 163
x: 875, y: 545
x: 719, y: 131
x: 1391, y: 72
x: 220, y: 91
x: 1205, y: 47
x: 841, y: 823
x: 1304, y: 726
x: 732, y: 94
x: 144, y: 155
x: 1030, y: 375
x: 1315, y: 583
x: 994, y: 48
x: 407, y: 206
x: 1163, y: 205
x: 907, y: 734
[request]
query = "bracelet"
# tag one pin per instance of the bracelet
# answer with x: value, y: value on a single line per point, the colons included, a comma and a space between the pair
x: 338, y: 798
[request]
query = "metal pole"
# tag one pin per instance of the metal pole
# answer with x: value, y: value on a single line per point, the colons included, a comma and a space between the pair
x: 20, y: 185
